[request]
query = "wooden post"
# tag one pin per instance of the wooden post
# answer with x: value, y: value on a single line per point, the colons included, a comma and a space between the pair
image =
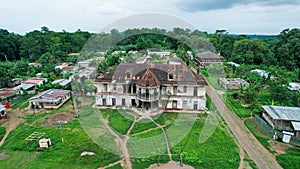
x: 180, y: 159
x: 158, y: 160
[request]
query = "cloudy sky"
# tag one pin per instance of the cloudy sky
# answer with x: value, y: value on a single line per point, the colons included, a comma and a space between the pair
x: 235, y: 16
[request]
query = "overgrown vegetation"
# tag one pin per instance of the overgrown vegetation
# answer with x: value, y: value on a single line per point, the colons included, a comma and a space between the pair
x: 290, y: 160
x: 258, y: 132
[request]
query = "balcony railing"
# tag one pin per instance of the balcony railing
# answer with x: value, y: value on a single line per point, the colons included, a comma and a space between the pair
x: 148, y: 97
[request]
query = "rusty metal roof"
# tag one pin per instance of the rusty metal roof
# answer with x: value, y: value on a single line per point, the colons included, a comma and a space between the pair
x: 5, y: 92
x: 182, y: 74
x: 148, y: 79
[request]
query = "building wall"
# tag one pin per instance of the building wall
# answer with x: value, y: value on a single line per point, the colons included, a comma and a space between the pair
x: 49, y: 105
x: 188, y: 98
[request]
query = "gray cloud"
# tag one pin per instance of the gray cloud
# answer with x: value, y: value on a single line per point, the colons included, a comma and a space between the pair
x: 206, y: 5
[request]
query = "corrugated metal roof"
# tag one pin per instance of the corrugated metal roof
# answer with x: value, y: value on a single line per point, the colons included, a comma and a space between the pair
x: 51, y: 94
x: 148, y: 80
x: 209, y: 55
x: 182, y: 75
x: 296, y: 125
x: 7, y: 92
x: 283, y: 113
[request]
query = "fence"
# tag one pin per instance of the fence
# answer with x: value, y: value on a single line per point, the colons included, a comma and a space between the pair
x: 271, y: 132
x: 267, y: 128
x: 19, y: 99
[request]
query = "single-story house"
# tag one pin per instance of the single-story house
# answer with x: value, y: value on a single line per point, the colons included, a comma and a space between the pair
x: 30, y: 84
x: 161, y: 54
x: 233, y: 64
x: 61, y: 65
x: 87, y: 63
x: 6, y: 94
x: 35, y: 64
x: 294, y: 86
x: 52, y: 98
x: 209, y: 58
x: 232, y: 83
x: 67, y: 69
x: 73, y: 54
x: 262, y: 73
x: 88, y: 73
x: 283, y: 118
x: 62, y: 82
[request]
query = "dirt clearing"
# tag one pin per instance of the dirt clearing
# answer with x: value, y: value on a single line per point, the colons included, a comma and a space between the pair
x: 52, y: 120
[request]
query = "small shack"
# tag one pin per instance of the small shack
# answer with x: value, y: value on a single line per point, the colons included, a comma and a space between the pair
x: 44, y: 143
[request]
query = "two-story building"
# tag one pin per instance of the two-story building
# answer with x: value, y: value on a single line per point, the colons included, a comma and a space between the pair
x: 167, y: 86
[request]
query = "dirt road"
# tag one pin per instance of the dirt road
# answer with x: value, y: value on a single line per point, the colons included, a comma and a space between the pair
x: 12, y: 123
x: 262, y: 158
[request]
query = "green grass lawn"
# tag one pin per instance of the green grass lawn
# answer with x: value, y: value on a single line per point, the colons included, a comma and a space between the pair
x: 119, y: 120
x: 67, y: 154
x: 219, y: 151
x: 290, y: 160
x: 237, y: 107
x: 258, y: 132
x: 60, y: 154
x: 2, y: 132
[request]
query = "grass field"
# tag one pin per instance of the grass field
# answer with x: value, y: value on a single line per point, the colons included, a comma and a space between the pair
x: 219, y: 151
x: 290, y: 160
x: 2, y: 132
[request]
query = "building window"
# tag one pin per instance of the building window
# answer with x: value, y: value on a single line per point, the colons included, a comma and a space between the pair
x: 184, y: 89
x: 171, y: 76
x: 195, y: 91
x: 105, y: 87
x: 128, y: 75
x: 114, y: 87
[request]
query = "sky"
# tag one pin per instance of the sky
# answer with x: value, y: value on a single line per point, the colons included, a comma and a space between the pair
x: 235, y: 16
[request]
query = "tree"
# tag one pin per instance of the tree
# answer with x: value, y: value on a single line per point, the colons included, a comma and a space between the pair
x: 287, y: 49
x: 250, y: 51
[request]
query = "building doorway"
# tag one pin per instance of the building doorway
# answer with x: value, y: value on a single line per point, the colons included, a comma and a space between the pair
x: 133, y: 103
x: 123, y: 102
x: 195, y: 105
x: 184, y: 106
x: 104, y: 102
x: 174, y: 104
x: 113, y: 101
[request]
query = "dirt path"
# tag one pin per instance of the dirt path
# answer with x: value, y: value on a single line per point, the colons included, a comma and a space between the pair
x: 126, y: 163
x: 12, y: 123
x: 165, y: 136
x: 262, y: 158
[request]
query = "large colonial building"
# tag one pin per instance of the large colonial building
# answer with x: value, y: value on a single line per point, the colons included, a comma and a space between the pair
x: 167, y: 86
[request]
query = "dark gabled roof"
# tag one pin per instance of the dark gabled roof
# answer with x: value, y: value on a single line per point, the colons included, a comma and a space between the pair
x: 106, y: 77
x: 182, y: 75
x: 148, y: 79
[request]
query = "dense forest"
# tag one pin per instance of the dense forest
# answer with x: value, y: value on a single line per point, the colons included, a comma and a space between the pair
x: 50, y: 47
